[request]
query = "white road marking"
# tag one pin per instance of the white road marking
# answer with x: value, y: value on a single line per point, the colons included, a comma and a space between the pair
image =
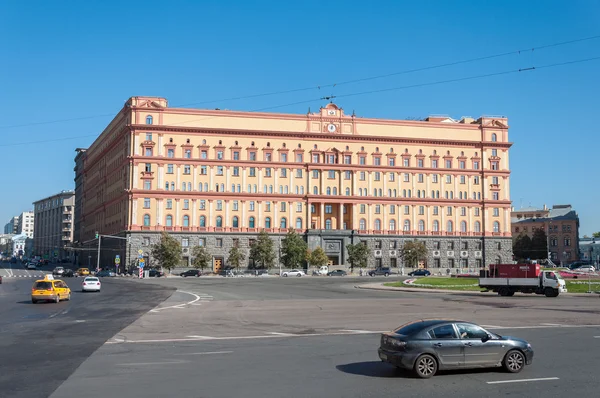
x: 597, y: 337
x: 523, y: 380
x: 197, y: 298
x: 359, y: 331
x: 281, y: 334
x: 79, y: 320
x: 199, y: 337
x: 152, y: 363
x: 551, y: 324
x: 207, y: 353
x: 544, y: 327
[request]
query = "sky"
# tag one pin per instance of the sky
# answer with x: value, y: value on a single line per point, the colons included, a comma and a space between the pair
x: 67, y: 67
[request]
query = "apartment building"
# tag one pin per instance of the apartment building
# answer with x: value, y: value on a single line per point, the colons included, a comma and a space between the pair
x: 218, y: 177
x: 54, y: 225
x: 26, y: 224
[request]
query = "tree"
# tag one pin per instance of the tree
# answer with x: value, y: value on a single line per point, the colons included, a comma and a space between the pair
x: 596, y: 234
x: 293, y: 250
x: 358, y: 255
x: 262, y: 251
x: 539, y: 245
x: 412, y: 252
x: 522, y: 247
x: 236, y: 257
x: 167, y: 251
x: 202, y: 259
x: 317, y: 257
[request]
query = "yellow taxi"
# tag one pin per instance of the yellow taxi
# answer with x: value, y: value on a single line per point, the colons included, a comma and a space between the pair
x: 50, y: 289
x: 83, y: 272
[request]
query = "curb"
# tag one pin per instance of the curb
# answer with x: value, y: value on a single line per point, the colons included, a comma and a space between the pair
x: 381, y: 287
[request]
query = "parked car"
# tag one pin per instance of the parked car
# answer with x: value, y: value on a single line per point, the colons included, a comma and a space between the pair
x: 294, y: 272
x: 191, y: 272
x: 154, y: 273
x: 427, y: 346
x: 105, y: 273
x: 381, y: 271
x: 337, y: 272
x: 90, y: 284
x: 419, y: 272
x: 585, y: 268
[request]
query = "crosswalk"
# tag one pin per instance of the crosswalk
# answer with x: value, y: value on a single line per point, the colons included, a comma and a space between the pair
x: 25, y: 276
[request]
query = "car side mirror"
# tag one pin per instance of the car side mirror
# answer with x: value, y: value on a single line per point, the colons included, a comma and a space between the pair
x: 486, y: 338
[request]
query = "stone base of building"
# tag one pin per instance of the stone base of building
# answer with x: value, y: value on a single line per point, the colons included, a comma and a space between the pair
x: 442, y: 251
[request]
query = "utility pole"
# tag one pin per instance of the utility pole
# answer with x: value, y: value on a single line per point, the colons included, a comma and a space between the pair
x: 98, y: 259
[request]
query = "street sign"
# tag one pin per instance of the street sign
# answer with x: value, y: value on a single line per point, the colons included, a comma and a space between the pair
x: 140, y: 251
x: 117, y: 260
x: 141, y: 264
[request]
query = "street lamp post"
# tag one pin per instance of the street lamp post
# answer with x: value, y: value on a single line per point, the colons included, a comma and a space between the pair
x: 564, y: 258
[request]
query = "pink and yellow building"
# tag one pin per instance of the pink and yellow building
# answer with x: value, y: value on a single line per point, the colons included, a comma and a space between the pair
x: 218, y: 177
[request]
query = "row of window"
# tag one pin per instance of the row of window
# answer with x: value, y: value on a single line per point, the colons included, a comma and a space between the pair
x: 328, y: 224
x: 554, y: 228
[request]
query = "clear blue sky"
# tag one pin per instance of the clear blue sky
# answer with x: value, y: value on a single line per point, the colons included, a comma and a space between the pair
x: 63, y: 60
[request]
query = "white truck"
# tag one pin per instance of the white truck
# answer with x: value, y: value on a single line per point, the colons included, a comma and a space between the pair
x: 548, y: 283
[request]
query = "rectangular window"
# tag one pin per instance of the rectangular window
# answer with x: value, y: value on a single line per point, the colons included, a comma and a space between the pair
x: 463, y: 211
x: 170, y: 169
x: 347, y: 175
x: 434, y: 178
x: 186, y: 204
x: 147, y: 185
x: 421, y: 210
x: 362, y: 160
x: 496, y: 212
x: 331, y: 159
x: 392, y: 209
x: 477, y: 211
x: 420, y: 178
x: 298, y: 173
x: 476, y: 165
x: 252, y: 155
x: 282, y: 206
x: 450, y: 245
x: 377, y: 161
x: 283, y: 157
x: 298, y: 207
x: 377, y: 176
x: 449, y: 211
x: 391, y: 162
x: 495, y: 180
x: 435, y: 210
x: 251, y: 206
x: 406, y: 162
x: 436, y: 245
x: 495, y: 196
x: 463, y: 180
x: 148, y: 152
x: 219, y: 242
x: 268, y: 172
x: 362, y: 176
x: 315, y: 174
x: 236, y: 155
x: 406, y: 210
x: 219, y: 170
x: 148, y: 136
x: 185, y: 242
x: 299, y: 157
x: 436, y: 263
x: 267, y: 157
x: 283, y: 173
x: 448, y: 163
x: 203, y: 205
x: 392, y: 177
x: 494, y: 165
x: 420, y: 163
x: 461, y: 164
x: 377, y: 209
x: 267, y: 206
x: 235, y: 205
x: 169, y: 204
x: 148, y: 168
x: 347, y: 159
x: 406, y: 177
x: 331, y: 173
x: 362, y: 209
x: 146, y: 203
x: 476, y: 180
x: 315, y: 158
x: 377, y: 244
x: 434, y: 164
x: 170, y: 153
x: 328, y: 209
x: 236, y: 171
x: 252, y: 172
x: 448, y: 179
x: 187, y: 169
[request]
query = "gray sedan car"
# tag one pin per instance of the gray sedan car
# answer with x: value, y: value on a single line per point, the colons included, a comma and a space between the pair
x: 426, y: 346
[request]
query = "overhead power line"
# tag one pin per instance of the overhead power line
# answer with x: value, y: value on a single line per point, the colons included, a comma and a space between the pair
x: 352, y: 81
x: 438, y: 82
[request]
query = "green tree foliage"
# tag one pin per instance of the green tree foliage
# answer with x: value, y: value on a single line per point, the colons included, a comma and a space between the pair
x: 412, y: 252
x: 317, y: 257
x: 358, y: 255
x: 262, y: 251
x: 236, y: 257
x: 293, y: 250
x: 522, y: 247
x: 539, y: 245
x: 167, y: 252
x: 596, y: 234
x: 201, y: 258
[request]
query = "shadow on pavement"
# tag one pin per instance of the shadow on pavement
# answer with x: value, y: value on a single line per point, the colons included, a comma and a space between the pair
x: 373, y: 369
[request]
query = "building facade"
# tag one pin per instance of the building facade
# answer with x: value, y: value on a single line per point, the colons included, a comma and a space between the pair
x: 26, y: 223
x: 589, y: 250
x: 12, y: 227
x: 561, y: 225
x: 53, y: 235
x: 217, y: 178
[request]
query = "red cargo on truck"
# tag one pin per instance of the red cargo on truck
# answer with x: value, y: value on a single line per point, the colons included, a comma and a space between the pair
x: 514, y: 270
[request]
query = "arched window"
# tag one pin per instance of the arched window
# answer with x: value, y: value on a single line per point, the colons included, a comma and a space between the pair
x: 251, y: 222
x: 362, y: 224
x: 186, y: 221
x: 202, y: 221
x: 390, y: 192
x: 183, y: 185
x: 315, y: 191
x: 281, y: 189
x: 268, y: 222
x: 374, y: 191
x: 169, y: 221
x: 496, y: 226
x: 148, y: 119
x: 449, y: 226
x: 437, y: 194
x: 206, y: 187
x: 409, y: 193
x: 219, y: 222
x: 270, y: 188
x: 146, y: 220
x: 222, y: 187
x: 406, y: 225
x: 395, y: 193
x: 189, y: 186
x: 328, y: 223
x: 498, y: 260
x: 392, y: 225
x: 265, y: 188
x: 494, y: 137
x: 328, y: 191
x: 235, y: 222
x: 285, y: 190
x: 436, y: 226
x: 380, y: 192
x: 421, y: 225
x: 334, y: 190
x: 283, y: 223
x: 347, y: 191
x: 172, y: 186
x: 298, y: 223
x: 463, y: 226
x: 302, y: 190
x: 377, y: 224
x: 433, y: 194
x: 477, y: 226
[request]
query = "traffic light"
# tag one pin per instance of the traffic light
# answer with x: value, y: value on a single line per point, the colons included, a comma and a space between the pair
x: 97, y: 234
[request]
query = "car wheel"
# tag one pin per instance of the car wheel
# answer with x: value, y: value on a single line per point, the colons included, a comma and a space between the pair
x: 299, y: 275
x: 386, y: 274
x: 285, y: 275
x: 57, y: 299
x: 514, y: 361
x: 68, y: 297
x: 34, y: 301
x: 549, y: 292
x: 504, y: 291
x: 425, y: 366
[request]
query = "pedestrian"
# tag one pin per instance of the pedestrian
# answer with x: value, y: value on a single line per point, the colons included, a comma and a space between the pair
x: 402, y: 271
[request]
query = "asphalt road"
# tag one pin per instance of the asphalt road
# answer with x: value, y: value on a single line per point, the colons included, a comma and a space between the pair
x: 41, y: 345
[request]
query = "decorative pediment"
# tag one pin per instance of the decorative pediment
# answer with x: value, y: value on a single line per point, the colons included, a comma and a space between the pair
x: 149, y: 104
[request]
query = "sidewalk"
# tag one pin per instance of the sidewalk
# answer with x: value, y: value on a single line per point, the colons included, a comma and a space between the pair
x: 380, y: 286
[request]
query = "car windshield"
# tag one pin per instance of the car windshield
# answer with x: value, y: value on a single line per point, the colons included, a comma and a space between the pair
x: 42, y: 285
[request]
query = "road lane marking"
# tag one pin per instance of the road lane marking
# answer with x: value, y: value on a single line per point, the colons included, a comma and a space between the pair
x: 197, y: 298
x: 359, y: 331
x: 281, y: 334
x: 152, y: 363
x: 597, y: 337
x: 544, y: 327
x: 199, y: 337
x: 207, y: 353
x: 551, y: 324
x: 523, y: 380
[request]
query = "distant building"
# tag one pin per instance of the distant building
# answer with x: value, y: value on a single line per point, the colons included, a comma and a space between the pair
x: 12, y: 227
x: 22, y: 246
x: 79, y: 163
x: 6, y: 245
x: 561, y: 224
x: 54, y: 225
x: 26, y: 222
x: 589, y: 250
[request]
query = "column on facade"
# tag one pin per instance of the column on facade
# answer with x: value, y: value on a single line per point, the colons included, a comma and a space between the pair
x: 384, y: 176
x: 470, y: 187
x: 260, y: 180
x: 384, y: 225
x: 227, y: 179
x: 321, y: 183
x: 227, y: 223
x: 194, y: 213
x: 177, y: 214
x: 413, y: 184
x: 355, y: 215
x: 194, y: 177
x: 276, y: 180
x: 244, y: 187
x: 136, y: 176
x: 291, y: 176
x: 291, y: 223
x: 370, y: 185
x: 427, y: 184
x: 369, y: 217
x: 244, y: 210
x: 136, y: 145
x: 211, y: 213
x: 160, y: 145
x: 399, y: 179
x: 322, y: 216
x: 442, y: 182
x: 456, y: 188
x: 159, y: 206
x: 259, y: 223
x: 211, y: 173
x: 506, y: 187
x: 340, y: 216
x: 353, y: 183
x: 413, y: 223
x: 275, y: 223
x: 177, y: 177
